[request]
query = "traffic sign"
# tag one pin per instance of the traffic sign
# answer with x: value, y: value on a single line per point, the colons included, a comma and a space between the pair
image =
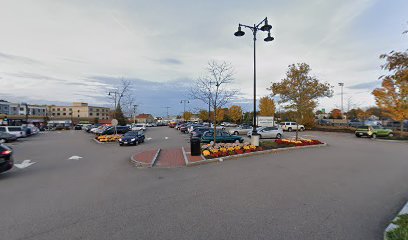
x: 114, y: 122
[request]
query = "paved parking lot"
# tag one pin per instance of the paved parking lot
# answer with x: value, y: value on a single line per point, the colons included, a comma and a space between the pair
x: 348, y: 190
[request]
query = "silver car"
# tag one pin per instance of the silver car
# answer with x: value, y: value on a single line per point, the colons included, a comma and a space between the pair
x: 269, y: 132
x: 240, y: 130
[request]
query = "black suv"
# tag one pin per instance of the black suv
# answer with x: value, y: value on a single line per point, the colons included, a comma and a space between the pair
x: 6, y: 158
x: 132, y: 138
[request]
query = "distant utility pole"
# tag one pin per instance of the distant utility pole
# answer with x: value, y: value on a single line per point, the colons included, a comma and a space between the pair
x: 184, y: 101
x: 167, y: 108
x: 115, y: 94
x: 134, y: 113
x: 341, y: 85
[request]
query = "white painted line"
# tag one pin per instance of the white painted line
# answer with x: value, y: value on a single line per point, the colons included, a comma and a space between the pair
x: 24, y: 164
x: 166, y: 138
x: 148, y: 139
x: 155, y: 158
x: 74, y: 158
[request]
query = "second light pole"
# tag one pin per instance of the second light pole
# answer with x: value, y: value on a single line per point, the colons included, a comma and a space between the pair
x: 266, y: 28
x: 184, y: 112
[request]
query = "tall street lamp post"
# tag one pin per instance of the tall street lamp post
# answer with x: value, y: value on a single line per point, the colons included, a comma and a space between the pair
x: 341, y: 85
x: 184, y: 101
x: 115, y: 94
x: 265, y: 28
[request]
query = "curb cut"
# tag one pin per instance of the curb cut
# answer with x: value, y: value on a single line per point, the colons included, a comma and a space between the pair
x: 155, y: 158
x: 220, y: 159
x: 143, y: 164
x: 392, y: 226
x: 184, y: 156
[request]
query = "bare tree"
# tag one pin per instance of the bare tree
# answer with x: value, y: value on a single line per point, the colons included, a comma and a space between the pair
x: 212, y: 88
x: 122, y: 96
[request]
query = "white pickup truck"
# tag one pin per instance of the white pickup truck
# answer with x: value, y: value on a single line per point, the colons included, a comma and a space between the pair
x: 290, y: 126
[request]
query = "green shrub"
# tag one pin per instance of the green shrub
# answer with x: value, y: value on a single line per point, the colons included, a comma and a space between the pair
x: 401, y: 232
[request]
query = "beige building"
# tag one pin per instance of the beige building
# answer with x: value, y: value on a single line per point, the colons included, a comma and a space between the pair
x: 78, y: 110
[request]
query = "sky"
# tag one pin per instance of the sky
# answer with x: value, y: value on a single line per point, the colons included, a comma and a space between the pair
x: 58, y: 52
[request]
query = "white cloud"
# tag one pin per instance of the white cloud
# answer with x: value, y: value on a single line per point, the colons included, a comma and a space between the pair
x: 164, y: 41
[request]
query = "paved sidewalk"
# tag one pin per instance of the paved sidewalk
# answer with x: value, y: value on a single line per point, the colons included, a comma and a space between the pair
x: 172, y: 157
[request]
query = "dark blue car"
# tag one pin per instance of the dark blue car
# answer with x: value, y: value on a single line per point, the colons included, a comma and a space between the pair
x: 132, y: 138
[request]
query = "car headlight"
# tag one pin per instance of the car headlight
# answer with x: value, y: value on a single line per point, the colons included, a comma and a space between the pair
x: 133, y: 139
x: 120, y: 139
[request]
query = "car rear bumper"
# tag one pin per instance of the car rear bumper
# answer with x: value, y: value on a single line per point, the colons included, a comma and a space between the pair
x: 6, y: 165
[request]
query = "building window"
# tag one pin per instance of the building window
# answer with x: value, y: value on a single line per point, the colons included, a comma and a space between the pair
x: 78, y: 115
x: 64, y: 109
x: 97, y: 114
x: 70, y: 114
x: 21, y: 109
x: 53, y: 114
x: 90, y: 114
x: 58, y: 109
x: 97, y: 109
x: 78, y: 111
x: 64, y: 114
x: 58, y: 114
x: 70, y: 109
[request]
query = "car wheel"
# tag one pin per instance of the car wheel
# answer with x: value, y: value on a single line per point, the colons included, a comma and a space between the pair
x: 290, y: 129
x: 391, y: 135
x: 302, y: 129
x: 357, y: 135
x: 278, y: 136
x: 374, y: 136
x: 236, y: 133
x: 121, y: 144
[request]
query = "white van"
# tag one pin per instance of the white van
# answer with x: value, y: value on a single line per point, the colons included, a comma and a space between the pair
x: 15, y: 130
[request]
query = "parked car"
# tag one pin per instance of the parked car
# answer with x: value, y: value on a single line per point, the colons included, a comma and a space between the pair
x: 244, y: 129
x: 194, y: 126
x: 397, y: 125
x: 325, y: 122
x: 138, y: 127
x: 78, y: 127
x: 221, y: 136
x: 6, y: 158
x: 198, y: 132
x: 15, y: 130
x: 269, y: 132
x: 373, y: 131
x: 132, y: 138
x: 112, y: 130
x: 355, y: 123
x: 7, y: 137
x: 290, y: 126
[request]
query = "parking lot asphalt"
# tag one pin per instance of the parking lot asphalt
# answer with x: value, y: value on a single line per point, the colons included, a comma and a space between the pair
x: 348, y: 190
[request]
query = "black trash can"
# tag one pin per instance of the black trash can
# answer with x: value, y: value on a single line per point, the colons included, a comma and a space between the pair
x: 195, y: 146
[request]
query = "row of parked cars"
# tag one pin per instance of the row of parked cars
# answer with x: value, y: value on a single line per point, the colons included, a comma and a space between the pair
x: 206, y: 132
x: 12, y: 133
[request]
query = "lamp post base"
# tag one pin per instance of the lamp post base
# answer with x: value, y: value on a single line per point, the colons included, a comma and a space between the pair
x: 255, y: 140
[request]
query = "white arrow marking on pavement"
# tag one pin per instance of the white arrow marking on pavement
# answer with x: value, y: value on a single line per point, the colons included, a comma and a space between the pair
x: 148, y: 139
x: 24, y: 164
x: 74, y: 158
x: 166, y: 138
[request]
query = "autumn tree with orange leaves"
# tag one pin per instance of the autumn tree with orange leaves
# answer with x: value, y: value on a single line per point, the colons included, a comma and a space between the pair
x: 266, y: 106
x: 392, y: 96
x: 235, y: 113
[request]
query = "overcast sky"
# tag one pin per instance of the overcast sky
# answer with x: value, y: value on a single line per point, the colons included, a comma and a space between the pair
x: 64, y: 51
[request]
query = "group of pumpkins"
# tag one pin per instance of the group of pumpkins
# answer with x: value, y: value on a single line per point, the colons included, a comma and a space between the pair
x: 109, y: 138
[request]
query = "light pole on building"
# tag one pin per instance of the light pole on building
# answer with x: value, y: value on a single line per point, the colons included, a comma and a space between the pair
x: 239, y: 33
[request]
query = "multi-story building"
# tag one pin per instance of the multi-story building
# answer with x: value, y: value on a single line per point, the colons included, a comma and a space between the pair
x: 22, y: 109
x: 78, y: 110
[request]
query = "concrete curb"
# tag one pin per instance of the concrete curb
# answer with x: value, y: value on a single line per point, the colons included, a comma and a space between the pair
x: 392, y: 226
x: 184, y: 155
x: 253, y: 154
x: 143, y: 164
x: 391, y: 140
x: 155, y: 158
